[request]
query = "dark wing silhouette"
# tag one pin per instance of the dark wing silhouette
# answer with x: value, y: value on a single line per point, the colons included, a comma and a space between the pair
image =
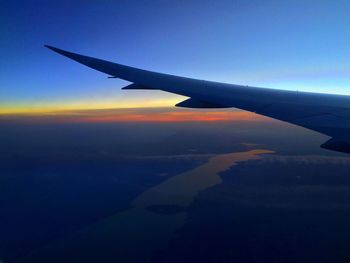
x: 325, y: 113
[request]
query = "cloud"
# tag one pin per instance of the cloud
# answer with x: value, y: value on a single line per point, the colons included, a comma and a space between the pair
x: 307, y: 159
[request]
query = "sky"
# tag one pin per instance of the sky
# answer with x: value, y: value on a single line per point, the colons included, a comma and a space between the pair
x: 297, y: 45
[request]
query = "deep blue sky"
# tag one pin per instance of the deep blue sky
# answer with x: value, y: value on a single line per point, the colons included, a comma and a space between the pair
x: 294, y: 44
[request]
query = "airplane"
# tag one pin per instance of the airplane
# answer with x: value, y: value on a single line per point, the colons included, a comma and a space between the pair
x: 328, y: 114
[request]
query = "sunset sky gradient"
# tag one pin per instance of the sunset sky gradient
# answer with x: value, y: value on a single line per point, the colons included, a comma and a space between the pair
x: 298, y: 45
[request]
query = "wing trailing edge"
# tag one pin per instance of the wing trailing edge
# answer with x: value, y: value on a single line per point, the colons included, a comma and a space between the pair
x: 337, y: 145
x: 136, y: 86
x: 193, y: 103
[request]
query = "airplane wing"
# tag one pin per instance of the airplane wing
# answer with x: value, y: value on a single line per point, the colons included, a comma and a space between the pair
x: 325, y: 113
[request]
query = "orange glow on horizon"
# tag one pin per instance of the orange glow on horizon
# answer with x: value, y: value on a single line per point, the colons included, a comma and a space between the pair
x: 134, y: 115
x: 182, y: 116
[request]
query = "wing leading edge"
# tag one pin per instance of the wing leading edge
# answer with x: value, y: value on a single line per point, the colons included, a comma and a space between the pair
x: 324, y: 113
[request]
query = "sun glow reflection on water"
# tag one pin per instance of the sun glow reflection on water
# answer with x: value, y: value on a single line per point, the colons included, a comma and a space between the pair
x: 133, y: 235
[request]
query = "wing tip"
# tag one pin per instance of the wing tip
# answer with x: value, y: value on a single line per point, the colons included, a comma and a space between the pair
x: 51, y: 47
x: 61, y: 51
